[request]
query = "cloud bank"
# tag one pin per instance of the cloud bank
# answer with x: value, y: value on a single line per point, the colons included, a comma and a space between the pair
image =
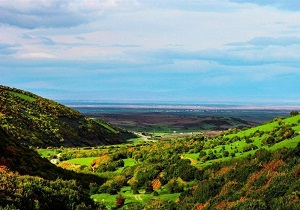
x: 177, y: 50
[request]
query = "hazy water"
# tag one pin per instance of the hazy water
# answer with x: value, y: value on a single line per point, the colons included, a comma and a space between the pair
x: 246, y: 112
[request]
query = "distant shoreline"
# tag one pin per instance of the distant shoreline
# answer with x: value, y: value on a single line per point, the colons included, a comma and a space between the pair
x: 188, y: 107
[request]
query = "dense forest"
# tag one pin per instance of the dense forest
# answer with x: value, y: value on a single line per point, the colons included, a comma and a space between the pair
x: 253, y: 168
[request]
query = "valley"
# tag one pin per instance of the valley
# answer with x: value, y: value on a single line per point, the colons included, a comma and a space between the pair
x: 157, y: 173
x: 166, y: 119
x: 50, y: 153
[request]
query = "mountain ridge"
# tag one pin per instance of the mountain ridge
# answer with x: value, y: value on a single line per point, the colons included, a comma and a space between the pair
x: 40, y: 122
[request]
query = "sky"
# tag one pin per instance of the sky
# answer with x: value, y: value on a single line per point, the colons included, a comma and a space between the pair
x: 178, y: 51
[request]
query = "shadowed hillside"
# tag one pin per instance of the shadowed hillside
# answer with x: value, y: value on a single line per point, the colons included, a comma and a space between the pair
x: 20, y: 172
x: 20, y: 158
x: 37, y: 121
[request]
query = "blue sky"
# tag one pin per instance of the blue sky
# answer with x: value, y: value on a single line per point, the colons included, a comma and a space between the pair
x: 233, y: 51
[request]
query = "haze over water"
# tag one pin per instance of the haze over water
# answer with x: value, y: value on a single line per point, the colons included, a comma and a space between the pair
x: 258, y: 113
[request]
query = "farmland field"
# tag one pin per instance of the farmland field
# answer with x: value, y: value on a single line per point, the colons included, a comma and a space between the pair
x: 159, y: 121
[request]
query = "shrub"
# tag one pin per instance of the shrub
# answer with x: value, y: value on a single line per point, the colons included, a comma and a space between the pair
x: 174, y: 186
x: 249, y: 148
x: 269, y: 140
x: 202, y: 154
x: 294, y: 113
x: 248, y: 140
x: 225, y: 153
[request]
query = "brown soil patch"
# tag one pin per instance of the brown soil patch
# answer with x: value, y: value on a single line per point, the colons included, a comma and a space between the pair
x: 67, y: 165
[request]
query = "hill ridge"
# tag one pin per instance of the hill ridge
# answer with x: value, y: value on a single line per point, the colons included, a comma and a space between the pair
x: 36, y: 121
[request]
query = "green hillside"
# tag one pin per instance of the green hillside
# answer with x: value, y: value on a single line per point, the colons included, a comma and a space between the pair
x: 276, y: 134
x: 256, y: 168
x: 36, y: 121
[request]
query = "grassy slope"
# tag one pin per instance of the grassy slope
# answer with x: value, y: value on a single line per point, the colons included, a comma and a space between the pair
x: 36, y: 121
x: 257, y: 140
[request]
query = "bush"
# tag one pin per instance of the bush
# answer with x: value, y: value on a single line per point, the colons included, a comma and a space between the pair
x: 174, y: 186
x: 225, y: 153
x: 269, y: 140
x: 249, y: 148
x: 248, y: 140
x: 294, y: 113
x: 202, y: 154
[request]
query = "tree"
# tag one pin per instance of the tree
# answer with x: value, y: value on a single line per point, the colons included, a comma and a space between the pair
x: 174, y: 186
x: 225, y: 153
x: 269, y: 140
x: 202, y: 154
x: 294, y: 113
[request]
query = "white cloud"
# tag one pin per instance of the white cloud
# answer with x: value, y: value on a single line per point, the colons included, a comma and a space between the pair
x: 37, y: 55
x: 55, y: 13
x: 269, y: 41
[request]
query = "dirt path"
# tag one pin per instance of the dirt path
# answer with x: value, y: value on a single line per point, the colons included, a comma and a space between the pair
x: 145, y: 138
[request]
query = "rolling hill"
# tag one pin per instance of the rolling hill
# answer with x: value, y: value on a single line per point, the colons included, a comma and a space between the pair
x: 36, y: 121
x: 255, y: 168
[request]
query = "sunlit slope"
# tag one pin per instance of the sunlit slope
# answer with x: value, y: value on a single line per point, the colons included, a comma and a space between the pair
x: 33, y: 120
x: 276, y: 134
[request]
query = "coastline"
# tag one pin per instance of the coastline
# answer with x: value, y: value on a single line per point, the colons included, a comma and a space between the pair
x: 190, y: 107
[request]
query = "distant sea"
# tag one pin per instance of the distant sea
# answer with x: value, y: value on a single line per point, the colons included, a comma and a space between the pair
x: 258, y: 113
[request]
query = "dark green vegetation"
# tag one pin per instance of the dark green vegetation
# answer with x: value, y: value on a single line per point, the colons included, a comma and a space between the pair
x: 256, y: 168
x: 28, y: 181
x: 36, y: 121
x: 31, y: 192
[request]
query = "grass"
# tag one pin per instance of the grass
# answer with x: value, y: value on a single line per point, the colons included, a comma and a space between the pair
x: 192, y: 155
x: 103, y: 124
x: 25, y: 97
x: 138, y: 140
x: 45, y: 153
x: 87, y: 161
x: 107, y: 199
x: 110, y: 200
x: 239, y: 145
x: 82, y: 161
x: 127, y: 162
x: 289, y: 143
